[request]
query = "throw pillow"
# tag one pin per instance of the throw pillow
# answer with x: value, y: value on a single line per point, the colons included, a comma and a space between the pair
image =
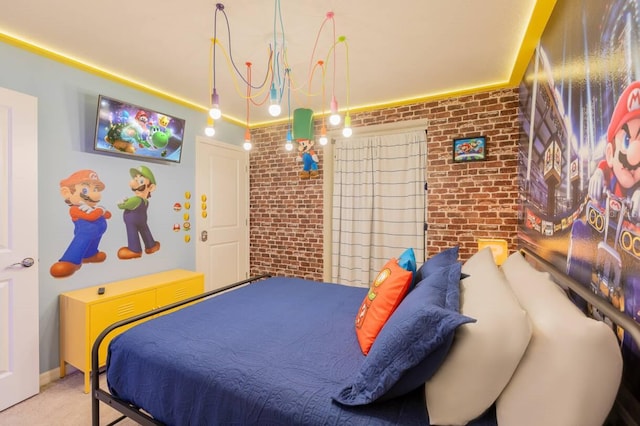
x: 444, y: 258
x: 484, y: 354
x: 412, y: 344
x: 385, y: 294
x: 408, y: 260
x: 567, y: 355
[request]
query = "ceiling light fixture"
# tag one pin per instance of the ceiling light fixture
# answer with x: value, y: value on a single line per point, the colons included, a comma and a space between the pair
x: 247, y: 133
x: 278, y: 64
x: 346, y: 130
x: 323, y: 129
x: 277, y: 78
x: 274, y: 107
x: 215, y: 112
x: 334, y: 118
x: 289, y: 144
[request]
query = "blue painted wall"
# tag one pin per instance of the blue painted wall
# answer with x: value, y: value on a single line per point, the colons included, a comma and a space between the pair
x: 67, y: 105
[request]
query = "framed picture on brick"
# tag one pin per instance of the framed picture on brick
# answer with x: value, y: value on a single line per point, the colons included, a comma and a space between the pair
x: 469, y: 149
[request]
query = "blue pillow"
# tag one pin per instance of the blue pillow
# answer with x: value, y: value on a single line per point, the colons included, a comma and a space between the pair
x: 445, y: 291
x: 413, y: 343
x: 407, y: 260
x: 444, y: 258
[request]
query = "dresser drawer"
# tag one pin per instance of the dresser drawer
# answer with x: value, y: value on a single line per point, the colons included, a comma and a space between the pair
x: 178, y: 291
x: 106, y: 313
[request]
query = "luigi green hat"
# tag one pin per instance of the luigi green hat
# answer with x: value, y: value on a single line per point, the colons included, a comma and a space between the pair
x: 303, y: 123
x: 144, y: 171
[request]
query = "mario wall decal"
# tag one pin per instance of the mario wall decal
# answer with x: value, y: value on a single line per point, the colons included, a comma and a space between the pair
x: 142, y: 183
x: 82, y: 191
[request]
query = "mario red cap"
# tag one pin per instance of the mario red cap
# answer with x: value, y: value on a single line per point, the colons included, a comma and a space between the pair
x: 627, y: 108
x: 141, y: 114
x: 83, y: 176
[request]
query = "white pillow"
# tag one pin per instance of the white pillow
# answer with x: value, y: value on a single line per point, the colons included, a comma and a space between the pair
x: 484, y: 354
x: 572, y: 368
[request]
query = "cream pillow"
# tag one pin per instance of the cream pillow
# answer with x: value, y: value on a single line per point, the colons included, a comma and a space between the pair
x: 484, y: 354
x: 571, y: 370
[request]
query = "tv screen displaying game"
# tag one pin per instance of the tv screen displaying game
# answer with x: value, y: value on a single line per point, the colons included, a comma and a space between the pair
x: 135, y: 131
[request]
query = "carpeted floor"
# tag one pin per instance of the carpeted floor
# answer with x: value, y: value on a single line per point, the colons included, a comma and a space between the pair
x: 61, y: 403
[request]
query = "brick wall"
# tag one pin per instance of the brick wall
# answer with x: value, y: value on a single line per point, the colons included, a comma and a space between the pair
x: 465, y: 201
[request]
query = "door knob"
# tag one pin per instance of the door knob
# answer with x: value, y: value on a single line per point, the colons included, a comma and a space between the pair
x: 25, y: 263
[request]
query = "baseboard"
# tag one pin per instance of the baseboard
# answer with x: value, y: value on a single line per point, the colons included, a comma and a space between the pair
x: 53, y: 375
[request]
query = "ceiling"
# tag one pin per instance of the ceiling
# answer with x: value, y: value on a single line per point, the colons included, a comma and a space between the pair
x: 398, y: 51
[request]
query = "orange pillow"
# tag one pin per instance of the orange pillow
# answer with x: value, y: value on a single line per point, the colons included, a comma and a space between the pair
x: 384, y: 296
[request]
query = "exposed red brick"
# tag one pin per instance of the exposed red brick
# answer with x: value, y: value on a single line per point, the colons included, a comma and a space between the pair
x: 465, y: 201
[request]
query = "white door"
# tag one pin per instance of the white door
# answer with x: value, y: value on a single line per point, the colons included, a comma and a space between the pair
x: 19, y: 340
x: 221, y: 205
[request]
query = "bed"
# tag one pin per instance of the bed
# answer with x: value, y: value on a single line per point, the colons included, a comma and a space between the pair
x: 463, y: 344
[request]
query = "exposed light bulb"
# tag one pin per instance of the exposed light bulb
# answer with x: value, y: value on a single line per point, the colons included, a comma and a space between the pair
x: 347, y: 131
x: 215, y: 112
x: 334, y: 118
x: 289, y: 144
x: 274, y: 106
x: 323, y: 136
x: 275, y: 110
x: 247, y: 140
x: 209, y: 130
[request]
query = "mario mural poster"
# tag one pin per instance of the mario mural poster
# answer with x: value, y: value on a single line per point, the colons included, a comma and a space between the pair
x: 82, y: 192
x: 579, y: 157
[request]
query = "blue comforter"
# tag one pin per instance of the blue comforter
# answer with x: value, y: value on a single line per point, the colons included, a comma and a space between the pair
x: 273, y: 352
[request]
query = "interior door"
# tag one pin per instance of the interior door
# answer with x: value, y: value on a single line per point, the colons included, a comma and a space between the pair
x: 19, y: 340
x: 221, y: 205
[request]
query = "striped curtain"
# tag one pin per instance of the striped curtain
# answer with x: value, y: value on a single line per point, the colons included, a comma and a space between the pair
x: 379, y: 203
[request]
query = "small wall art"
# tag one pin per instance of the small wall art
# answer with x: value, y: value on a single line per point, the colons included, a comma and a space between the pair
x: 469, y: 149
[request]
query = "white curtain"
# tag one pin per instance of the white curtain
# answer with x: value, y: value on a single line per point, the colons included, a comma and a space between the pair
x: 379, y: 203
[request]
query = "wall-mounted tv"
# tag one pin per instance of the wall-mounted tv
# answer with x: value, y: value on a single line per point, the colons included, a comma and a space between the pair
x: 135, y: 131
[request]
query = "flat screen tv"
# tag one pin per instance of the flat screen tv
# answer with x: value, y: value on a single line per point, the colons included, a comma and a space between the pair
x: 135, y: 131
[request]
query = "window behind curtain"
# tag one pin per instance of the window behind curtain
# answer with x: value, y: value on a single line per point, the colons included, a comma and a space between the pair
x: 379, y: 203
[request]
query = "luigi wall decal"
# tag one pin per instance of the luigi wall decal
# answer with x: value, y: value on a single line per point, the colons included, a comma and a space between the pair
x: 142, y: 183
x: 82, y: 192
x: 303, y: 134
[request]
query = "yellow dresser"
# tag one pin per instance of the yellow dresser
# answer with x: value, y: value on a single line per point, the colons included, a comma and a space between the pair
x: 85, y: 313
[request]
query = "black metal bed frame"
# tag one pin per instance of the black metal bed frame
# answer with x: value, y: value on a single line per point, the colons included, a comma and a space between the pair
x: 128, y: 410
